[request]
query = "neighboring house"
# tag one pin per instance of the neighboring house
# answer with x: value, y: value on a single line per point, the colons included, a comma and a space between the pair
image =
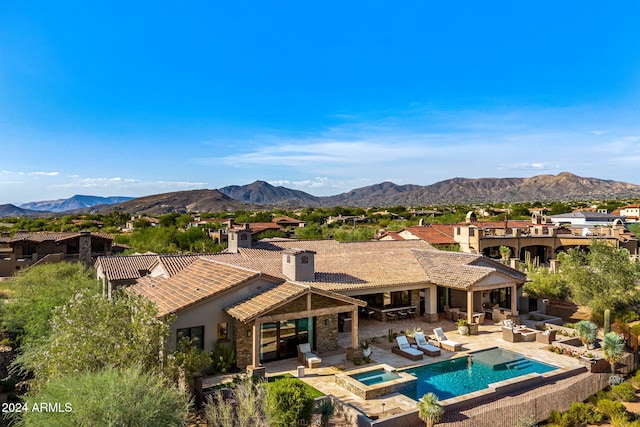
x: 539, y: 238
x: 286, y: 221
x: 25, y: 249
x: 265, y: 298
x: 587, y: 219
x: 129, y: 225
x: 438, y: 235
x: 630, y: 213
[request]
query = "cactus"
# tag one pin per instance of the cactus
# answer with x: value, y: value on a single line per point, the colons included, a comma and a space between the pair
x: 607, y: 321
x: 390, y: 335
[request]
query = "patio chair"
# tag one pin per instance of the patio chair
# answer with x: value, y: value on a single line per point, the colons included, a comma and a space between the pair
x: 478, y: 318
x: 546, y: 337
x: 427, y: 348
x: 446, y: 343
x: 391, y: 317
x: 402, y: 315
x: 404, y: 349
x: 411, y: 314
x: 306, y: 357
x: 508, y: 323
x: 511, y: 335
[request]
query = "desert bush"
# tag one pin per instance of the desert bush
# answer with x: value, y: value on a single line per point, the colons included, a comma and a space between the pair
x: 610, y: 407
x: 624, y: 392
x: 578, y: 414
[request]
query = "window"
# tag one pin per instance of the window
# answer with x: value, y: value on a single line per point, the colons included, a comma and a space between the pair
x: 304, y: 259
x: 195, y: 334
x: 223, y: 331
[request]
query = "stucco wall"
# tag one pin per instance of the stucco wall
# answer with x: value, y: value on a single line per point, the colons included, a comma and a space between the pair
x: 210, y: 313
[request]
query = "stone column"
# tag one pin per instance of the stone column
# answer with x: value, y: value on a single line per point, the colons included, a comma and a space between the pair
x: 431, y: 304
x: 354, y: 327
x: 85, y: 248
x: 470, y: 306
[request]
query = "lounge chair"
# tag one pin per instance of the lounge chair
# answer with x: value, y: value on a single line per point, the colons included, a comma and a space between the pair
x: 511, y: 335
x: 446, y: 343
x: 306, y: 357
x: 404, y: 349
x: 546, y: 337
x: 508, y: 323
x: 424, y: 346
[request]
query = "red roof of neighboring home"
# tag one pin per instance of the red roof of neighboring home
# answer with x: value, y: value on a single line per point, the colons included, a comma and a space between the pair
x: 436, y: 234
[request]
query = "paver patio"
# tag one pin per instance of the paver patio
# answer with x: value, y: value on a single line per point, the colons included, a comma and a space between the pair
x: 490, y: 335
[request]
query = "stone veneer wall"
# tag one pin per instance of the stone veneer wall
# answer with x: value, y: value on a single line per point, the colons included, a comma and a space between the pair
x: 85, y: 248
x: 326, y: 335
x: 244, y: 343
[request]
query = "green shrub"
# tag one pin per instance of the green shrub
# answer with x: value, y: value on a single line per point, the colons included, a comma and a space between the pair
x: 624, y: 392
x: 620, y: 420
x: 610, y: 407
x: 223, y: 357
x: 635, y: 380
x: 289, y: 402
x: 578, y: 414
x: 110, y: 397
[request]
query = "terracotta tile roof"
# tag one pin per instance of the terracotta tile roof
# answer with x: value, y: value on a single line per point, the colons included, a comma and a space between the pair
x: 125, y: 267
x: 44, y: 236
x: 341, y: 266
x: 266, y: 301
x: 436, y: 234
x: 461, y: 271
x: 389, y: 235
x: 133, y: 267
x: 201, y: 280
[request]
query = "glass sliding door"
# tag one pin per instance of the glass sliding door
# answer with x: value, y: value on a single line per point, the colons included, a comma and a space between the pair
x: 279, y: 340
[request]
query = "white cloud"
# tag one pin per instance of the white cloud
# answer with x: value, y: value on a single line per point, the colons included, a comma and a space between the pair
x: 45, y: 173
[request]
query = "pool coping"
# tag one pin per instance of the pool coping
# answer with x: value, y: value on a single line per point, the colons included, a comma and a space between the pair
x: 373, y: 391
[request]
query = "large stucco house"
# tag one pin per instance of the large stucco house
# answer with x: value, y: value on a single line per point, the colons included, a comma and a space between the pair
x: 25, y: 248
x: 265, y: 298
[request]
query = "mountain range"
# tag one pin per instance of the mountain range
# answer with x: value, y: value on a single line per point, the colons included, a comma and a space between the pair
x: 72, y: 203
x: 262, y: 195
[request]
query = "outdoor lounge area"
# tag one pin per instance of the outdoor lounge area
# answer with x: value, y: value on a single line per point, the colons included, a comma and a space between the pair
x: 490, y: 336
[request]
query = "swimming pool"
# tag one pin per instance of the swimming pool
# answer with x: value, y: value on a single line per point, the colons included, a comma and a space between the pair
x: 464, y: 375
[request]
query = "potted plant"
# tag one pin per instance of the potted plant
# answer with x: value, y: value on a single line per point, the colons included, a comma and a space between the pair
x: 463, y: 327
x: 366, y: 348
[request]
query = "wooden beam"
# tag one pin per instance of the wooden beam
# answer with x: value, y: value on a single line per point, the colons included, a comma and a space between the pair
x: 354, y: 327
x: 256, y: 344
x: 306, y: 313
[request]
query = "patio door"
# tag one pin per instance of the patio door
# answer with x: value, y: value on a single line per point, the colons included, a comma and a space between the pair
x: 279, y: 340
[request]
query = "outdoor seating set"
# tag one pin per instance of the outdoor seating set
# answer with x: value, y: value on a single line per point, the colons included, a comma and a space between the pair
x: 514, y: 333
x: 457, y: 314
x: 401, y: 315
x: 422, y: 346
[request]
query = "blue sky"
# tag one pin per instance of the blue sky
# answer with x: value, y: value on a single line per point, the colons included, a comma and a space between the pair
x: 123, y: 98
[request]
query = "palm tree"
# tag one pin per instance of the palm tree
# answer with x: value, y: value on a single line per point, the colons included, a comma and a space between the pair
x: 429, y: 409
x: 587, y: 331
x: 613, y: 349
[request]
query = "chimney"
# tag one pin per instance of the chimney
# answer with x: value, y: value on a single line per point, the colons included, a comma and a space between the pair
x: 238, y: 238
x: 298, y: 265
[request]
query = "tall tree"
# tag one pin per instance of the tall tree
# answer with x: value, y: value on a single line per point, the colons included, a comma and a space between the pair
x: 35, y: 293
x: 602, y: 277
x: 90, y: 333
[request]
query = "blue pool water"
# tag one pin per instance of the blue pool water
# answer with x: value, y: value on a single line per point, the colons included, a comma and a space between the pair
x: 458, y: 376
x: 375, y: 377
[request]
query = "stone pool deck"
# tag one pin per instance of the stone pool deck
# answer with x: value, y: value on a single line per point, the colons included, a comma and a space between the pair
x: 323, y: 378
